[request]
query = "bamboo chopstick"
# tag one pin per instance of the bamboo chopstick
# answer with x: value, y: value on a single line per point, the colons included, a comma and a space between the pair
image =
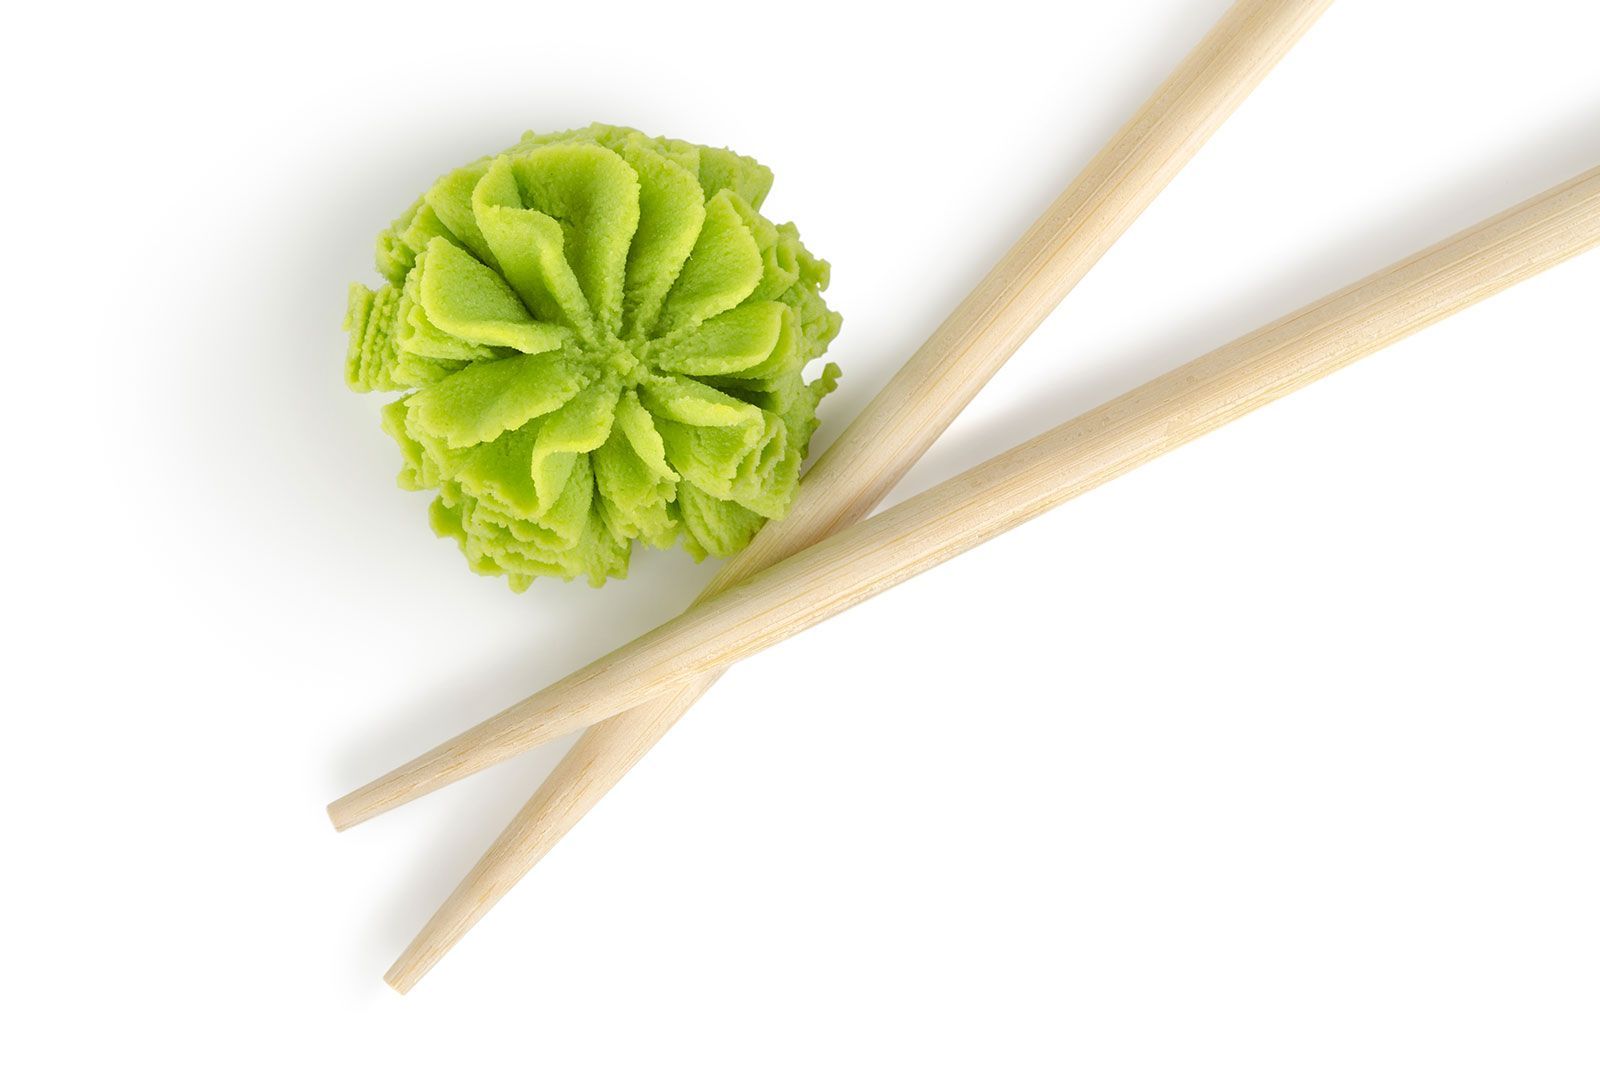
x: 922, y: 399
x: 1056, y: 466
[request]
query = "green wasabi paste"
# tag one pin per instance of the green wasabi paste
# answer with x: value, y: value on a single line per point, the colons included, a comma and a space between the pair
x: 600, y: 340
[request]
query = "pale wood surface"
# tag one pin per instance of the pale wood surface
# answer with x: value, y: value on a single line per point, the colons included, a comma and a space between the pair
x: 922, y: 399
x: 996, y: 496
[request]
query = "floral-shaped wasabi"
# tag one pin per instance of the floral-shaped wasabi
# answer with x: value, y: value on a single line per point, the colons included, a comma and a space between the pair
x: 603, y: 341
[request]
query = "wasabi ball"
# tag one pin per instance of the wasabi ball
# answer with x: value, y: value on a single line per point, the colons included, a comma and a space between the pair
x: 599, y: 340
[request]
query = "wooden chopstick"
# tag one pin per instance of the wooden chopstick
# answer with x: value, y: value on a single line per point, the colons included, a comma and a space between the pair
x: 915, y: 407
x: 989, y: 499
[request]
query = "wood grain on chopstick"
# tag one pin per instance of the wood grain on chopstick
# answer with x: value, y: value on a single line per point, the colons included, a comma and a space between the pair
x: 1056, y: 466
x: 915, y: 407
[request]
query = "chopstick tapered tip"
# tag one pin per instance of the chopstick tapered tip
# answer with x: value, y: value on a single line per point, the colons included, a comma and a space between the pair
x: 417, y: 960
x: 402, y: 976
x: 341, y: 815
x: 359, y: 805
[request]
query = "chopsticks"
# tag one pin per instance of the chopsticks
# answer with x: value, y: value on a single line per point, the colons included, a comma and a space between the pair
x: 1004, y: 492
x: 922, y: 399
x: 670, y: 667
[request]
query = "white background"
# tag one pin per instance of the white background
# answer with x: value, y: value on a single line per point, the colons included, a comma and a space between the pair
x: 1280, y: 750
